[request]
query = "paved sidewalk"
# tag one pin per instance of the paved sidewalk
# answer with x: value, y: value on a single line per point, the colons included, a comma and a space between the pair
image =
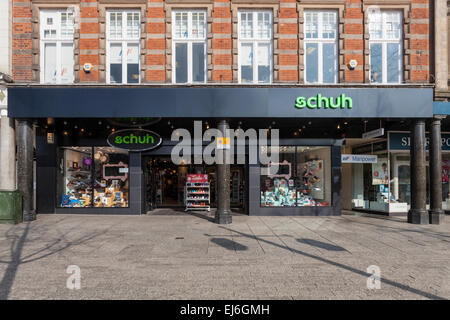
x: 188, y: 257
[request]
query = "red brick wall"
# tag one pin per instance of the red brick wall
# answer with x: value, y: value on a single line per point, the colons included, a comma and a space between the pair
x: 22, y: 59
x: 286, y: 45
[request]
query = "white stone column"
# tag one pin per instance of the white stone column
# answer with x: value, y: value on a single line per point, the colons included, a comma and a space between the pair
x: 441, y: 45
x: 7, y: 152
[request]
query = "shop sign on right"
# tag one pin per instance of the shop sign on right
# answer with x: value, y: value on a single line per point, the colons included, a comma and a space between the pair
x: 402, y: 141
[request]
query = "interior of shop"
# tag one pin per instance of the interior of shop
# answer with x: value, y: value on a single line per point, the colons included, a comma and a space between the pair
x: 167, y: 185
x: 385, y: 185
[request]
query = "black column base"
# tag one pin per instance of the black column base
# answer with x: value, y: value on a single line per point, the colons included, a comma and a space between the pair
x: 436, y: 216
x: 223, y: 217
x: 30, y: 216
x: 418, y: 216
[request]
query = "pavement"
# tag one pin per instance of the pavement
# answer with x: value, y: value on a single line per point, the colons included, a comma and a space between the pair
x: 187, y: 256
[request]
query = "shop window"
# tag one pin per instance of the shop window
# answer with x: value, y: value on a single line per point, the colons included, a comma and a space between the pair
x: 255, y: 46
x: 189, y: 43
x: 445, y: 181
x: 74, y: 182
x: 57, y: 57
x: 302, y: 178
x: 371, y: 185
x: 385, y: 31
x: 320, y: 46
x: 92, y: 177
x: 111, y: 183
x: 123, y: 49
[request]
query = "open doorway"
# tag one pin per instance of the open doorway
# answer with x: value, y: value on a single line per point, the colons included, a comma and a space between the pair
x: 166, y: 182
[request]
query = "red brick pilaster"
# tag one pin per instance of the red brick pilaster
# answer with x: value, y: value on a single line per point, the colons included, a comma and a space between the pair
x: 287, y: 39
x: 353, y: 37
x: 22, y: 35
x: 222, y: 57
x: 419, y: 45
x: 155, y: 58
x: 89, y: 40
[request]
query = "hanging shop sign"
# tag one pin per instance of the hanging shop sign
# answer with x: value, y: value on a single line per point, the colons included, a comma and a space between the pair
x: 322, y: 102
x: 371, y: 147
x: 402, y: 141
x: 134, y: 139
x: 373, y: 134
x: 359, y: 158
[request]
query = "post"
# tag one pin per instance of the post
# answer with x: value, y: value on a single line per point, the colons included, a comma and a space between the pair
x: 25, y: 167
x: 7, y: 153
x: 436, y: 213
x: 223, y: 213
x: 418, y: 213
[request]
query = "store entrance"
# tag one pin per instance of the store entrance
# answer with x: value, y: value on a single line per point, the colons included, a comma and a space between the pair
x: 166, y: 183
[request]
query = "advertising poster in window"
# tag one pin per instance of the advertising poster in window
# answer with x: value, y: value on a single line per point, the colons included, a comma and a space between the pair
x: 445, y: 170
x: 380, y: 171
x: 313, y: 176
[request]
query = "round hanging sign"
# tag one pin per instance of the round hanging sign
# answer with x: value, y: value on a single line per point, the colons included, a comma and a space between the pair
x: 134, y: 139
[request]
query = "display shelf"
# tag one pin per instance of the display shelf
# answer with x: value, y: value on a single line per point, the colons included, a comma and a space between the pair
x: 78, y: 188
x: 197, y: 196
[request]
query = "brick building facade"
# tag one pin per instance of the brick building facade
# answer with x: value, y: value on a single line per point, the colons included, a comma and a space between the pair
x: 336, y: 78
x: 222, y: 33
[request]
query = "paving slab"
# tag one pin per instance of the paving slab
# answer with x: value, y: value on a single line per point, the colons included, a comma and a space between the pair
x: 173, y: 255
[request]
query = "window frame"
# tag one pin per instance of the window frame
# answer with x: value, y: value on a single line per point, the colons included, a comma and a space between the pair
x: 59, y: 41
x: 189, y: 41
x: 124, y: 41
x: 384, y: 41
x: 320, y: 41
x: 254, y: 41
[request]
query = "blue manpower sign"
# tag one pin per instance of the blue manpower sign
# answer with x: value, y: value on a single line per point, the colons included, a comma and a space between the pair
x: 402, y: 141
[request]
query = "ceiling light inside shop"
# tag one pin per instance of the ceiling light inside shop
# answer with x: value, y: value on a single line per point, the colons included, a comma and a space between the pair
x: 98, y: 155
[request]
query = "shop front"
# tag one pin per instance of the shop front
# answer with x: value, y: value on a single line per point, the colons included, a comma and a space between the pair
x: 383, y: 182
x: 110, y: 150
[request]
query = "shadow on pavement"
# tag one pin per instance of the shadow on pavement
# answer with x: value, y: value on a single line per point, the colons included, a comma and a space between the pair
x: 322, y: 245
x: 342, y: 266
x: 229, y: 244
x: 60, y: 243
